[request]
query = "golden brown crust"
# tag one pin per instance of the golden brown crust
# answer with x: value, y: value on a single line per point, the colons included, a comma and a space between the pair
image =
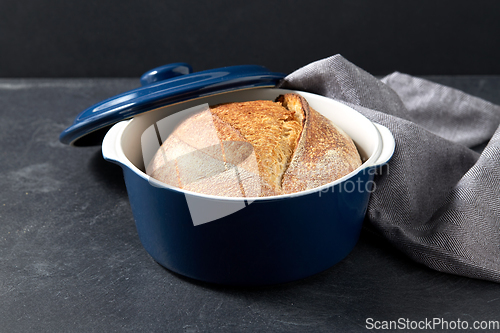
x: 257, y: 148
x: 271, y: 129
x: 206, y: 155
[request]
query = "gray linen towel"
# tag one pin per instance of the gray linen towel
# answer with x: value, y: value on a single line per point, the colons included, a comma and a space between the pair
x: 437, y: 200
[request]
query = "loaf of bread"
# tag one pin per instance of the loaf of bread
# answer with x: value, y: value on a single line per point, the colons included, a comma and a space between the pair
x: 255, y: 149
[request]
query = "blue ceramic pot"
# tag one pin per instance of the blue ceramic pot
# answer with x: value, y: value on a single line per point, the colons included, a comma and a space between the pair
x: 250, y: 241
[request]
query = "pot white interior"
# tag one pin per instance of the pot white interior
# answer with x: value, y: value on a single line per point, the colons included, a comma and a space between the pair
x: 122, y: 144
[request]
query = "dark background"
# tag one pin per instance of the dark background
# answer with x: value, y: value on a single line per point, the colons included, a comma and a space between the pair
x: 124, y: 38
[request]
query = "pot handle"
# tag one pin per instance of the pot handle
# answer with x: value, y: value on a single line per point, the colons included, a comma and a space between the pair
x: 110, y: 144
x: 388, y: 145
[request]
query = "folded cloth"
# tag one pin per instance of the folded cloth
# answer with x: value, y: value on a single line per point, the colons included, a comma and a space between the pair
x: 437, y: 200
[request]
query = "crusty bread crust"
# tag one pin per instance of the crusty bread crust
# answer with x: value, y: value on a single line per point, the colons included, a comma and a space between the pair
x: 207, y: 155
x: 324, y: 152
x: 257, y: 148
x: 273, y: 132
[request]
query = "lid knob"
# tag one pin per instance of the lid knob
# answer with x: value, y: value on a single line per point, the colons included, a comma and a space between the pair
x: 165, y: 72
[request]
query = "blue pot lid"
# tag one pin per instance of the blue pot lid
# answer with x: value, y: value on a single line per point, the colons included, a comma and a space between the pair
x: 162, y: 86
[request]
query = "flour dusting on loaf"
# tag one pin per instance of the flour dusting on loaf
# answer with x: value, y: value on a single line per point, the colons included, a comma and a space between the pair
x: 255, y: 148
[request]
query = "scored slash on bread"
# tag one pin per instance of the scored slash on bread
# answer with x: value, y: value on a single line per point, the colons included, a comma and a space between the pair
x: 323, y: 154
x: 256, y: 148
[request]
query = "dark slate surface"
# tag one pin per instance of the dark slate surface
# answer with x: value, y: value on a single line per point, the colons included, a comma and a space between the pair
x: 71, y: 260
